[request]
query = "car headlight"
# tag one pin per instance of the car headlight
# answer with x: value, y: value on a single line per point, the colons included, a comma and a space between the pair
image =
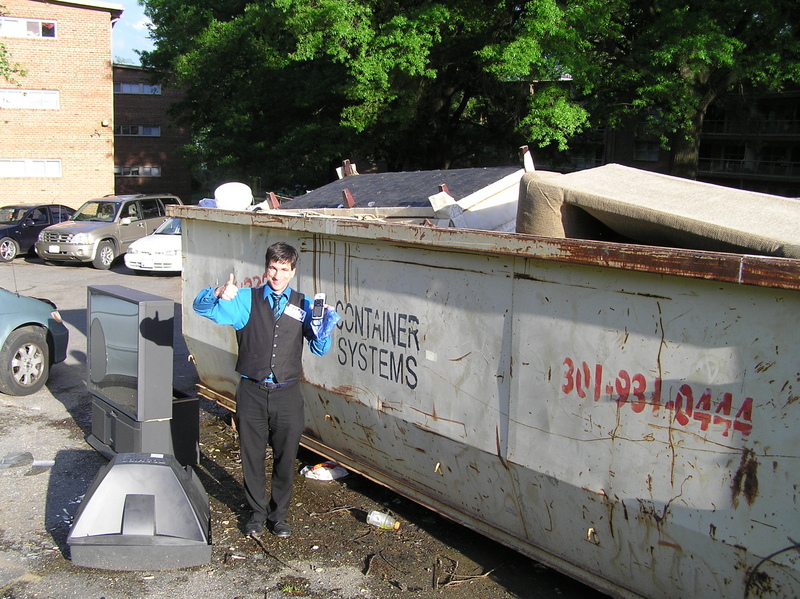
x: 172, y: 252
x: 80, y: 238
x: 133, y: 250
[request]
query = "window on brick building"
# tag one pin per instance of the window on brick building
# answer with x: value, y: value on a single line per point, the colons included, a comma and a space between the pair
x: 16, y: 27
x: 29, y: 98
x: 137, y: 171
x: 137, y: 131
x: 29, y: 168
x: 137, y: 88
x: 646, y: 151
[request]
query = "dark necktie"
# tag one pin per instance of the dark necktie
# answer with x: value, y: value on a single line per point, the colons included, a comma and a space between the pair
x: 276, y: 305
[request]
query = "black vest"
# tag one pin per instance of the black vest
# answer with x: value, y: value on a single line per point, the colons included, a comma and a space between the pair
x: 267, y: 346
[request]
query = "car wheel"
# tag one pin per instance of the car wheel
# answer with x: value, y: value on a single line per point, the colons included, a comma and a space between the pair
x: 24, y: 361
x: 8, y: 249
x: 106, y: 254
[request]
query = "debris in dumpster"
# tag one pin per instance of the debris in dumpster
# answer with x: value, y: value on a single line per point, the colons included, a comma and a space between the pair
x: 324, y: 471
x: 382, y: 520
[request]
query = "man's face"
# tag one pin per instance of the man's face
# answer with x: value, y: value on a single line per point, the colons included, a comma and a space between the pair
x: 279, y: 274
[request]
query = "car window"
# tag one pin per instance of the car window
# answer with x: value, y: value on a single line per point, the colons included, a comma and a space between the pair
x: 11, y: 215
x: 38, y: 216
x: 103, y: 212
x: 171, y: 226
x: 131, y: 210
x: 151, y: 208
x: 60, y: 213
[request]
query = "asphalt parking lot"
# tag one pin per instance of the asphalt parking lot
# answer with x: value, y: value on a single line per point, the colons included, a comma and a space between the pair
x: 46, y: 466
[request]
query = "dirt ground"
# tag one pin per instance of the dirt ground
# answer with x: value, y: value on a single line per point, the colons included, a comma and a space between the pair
x: 46, y: 467
x: 333, y: 552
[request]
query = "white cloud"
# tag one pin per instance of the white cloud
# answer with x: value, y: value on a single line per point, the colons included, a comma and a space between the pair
x: 142, y: 24
x: 130, y: 33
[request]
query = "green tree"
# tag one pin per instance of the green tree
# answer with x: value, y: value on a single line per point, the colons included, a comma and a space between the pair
x: 8, y: 69
x: 288, y: 88
x: 660, y: 64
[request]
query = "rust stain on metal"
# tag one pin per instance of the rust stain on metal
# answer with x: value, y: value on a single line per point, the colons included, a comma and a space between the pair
x: 759, y: 584
x: 764, y: 366
x: 225, y: 400
x: 499, y: 449
x: 347, y: 392
x: 745, y: 481
x: 674, y: 546
x: 762, y: 271
x: 438, y: 418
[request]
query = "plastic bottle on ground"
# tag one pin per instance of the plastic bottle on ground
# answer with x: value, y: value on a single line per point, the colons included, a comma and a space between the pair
x: 382, y: 520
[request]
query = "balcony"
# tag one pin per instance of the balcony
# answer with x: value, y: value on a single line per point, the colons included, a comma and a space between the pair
x: 749, y: 168
x: 790, y: 128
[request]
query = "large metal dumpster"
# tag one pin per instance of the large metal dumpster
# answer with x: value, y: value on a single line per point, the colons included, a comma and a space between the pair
x: 622, y: 413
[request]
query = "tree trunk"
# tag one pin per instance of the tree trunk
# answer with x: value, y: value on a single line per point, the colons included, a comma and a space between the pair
x: 686, y: 146
x: 686, y: 149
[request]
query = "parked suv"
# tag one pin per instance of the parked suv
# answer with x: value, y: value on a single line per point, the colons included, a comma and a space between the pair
x: 102, y: 229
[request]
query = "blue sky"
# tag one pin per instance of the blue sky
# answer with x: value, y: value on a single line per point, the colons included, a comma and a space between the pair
x: 130, y: 33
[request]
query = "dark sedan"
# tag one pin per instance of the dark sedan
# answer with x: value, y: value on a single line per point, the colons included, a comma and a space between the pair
x: 21, y: 224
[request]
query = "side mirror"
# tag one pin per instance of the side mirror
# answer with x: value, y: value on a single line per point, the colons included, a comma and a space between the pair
x: 125, y: 221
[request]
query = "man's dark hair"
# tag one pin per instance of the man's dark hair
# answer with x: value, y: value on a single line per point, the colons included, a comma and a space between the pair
x: 281, y: 252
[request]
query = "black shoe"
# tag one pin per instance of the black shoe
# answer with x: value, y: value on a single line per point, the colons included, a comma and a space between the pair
x: 255, y: 527
x: 281, y: 529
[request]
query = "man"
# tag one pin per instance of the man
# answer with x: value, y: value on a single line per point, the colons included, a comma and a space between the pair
x: 271, y: 324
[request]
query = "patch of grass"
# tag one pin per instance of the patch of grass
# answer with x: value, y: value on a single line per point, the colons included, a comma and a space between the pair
x: 294, y: 586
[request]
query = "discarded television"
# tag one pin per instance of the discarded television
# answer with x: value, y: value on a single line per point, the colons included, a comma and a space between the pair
x: 130, y: 349
x: 143, y: 511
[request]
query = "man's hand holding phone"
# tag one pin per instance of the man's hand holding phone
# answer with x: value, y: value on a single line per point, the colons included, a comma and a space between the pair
x: 318, y: 311
x: 323, y: 317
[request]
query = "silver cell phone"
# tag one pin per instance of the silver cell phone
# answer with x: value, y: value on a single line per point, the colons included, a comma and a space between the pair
x: 319, y: 306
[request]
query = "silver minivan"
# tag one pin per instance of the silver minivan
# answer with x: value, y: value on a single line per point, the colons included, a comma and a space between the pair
x: 102, y: 229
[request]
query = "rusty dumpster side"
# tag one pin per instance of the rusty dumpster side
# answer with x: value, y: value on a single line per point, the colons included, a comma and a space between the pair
x: 622, y: 413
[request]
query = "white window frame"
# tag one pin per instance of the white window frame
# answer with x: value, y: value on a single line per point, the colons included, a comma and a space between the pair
x: 29, y: 168
x: 137, y: 171
x: 137, y: 88
x: 18, y: 27
x: 36, y: 99
x: 141, y: 131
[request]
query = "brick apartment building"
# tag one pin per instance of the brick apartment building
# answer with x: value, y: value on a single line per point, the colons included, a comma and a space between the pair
x: 57, y: 142
x: 146, y: 142
x: 759, y: 152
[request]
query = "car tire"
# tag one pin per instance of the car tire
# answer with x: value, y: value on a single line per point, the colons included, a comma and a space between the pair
x: 105, y: 256
x: 9, y: 249
x: 24, y: 361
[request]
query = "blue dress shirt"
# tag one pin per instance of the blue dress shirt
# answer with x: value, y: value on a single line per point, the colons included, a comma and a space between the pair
x: 236, y: 312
